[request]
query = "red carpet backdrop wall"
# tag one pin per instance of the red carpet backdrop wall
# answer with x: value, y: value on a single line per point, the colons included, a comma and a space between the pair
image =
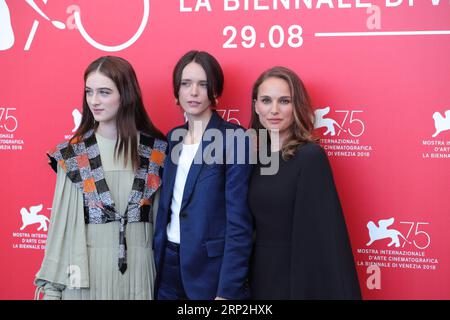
x: 378, y: 73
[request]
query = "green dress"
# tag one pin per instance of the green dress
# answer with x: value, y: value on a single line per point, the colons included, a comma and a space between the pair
x: 89, y: 252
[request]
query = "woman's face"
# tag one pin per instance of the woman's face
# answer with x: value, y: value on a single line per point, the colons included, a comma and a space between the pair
x: 193, y: 93
x: 274, y: 105
x: 103, y: 97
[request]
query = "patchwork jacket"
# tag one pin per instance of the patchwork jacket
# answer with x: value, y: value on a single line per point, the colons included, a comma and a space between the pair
x: 81, y: 162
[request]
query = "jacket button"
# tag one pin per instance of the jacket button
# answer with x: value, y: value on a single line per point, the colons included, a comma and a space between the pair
x: 183, y: 214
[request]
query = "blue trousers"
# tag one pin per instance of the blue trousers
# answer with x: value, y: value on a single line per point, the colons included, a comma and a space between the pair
x: 171, y: 285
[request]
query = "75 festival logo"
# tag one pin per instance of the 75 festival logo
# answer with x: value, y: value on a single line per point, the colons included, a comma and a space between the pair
x: 351, y: 122
x: 415, y: 235
x: 73, y: 22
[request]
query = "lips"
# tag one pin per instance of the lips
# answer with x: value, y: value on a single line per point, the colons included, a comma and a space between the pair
x: 97, y: 111
x: 193, y: 103
x: 274, y: 120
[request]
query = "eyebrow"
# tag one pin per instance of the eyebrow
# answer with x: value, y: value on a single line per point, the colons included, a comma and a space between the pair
x: 187, y: 79
x: 282, y: 97
x: 102, y: 88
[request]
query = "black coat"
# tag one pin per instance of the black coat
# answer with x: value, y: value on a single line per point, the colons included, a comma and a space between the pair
x: 302, y: 249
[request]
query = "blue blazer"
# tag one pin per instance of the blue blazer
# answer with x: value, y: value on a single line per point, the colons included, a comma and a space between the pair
x: 215, y: 221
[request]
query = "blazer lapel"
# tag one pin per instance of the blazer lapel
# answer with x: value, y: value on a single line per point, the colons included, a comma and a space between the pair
x: 198, y: 162
x: 170, y: 171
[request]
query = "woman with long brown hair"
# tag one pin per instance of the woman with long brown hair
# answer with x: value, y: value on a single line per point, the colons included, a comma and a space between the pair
x: 301, y: 249
x: 99, y: 244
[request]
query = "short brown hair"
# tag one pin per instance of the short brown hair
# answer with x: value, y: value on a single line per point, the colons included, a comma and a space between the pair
x: 214, y: 73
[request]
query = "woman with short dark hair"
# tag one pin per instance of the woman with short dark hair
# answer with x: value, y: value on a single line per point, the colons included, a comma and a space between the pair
x: 203, y: 230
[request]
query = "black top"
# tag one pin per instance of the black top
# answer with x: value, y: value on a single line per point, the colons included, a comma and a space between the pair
x: 302, y: 249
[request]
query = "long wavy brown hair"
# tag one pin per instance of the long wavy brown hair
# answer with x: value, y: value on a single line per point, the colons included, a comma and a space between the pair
x: 131, y: 117
x: 303, y: 126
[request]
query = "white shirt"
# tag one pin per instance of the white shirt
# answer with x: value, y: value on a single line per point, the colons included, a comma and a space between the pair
x: 184, y: 164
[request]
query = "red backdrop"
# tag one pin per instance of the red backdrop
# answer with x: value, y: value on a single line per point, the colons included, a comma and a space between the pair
x: 383, y: 72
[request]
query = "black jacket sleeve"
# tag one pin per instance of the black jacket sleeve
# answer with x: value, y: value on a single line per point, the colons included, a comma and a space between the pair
x: 322, y: 264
